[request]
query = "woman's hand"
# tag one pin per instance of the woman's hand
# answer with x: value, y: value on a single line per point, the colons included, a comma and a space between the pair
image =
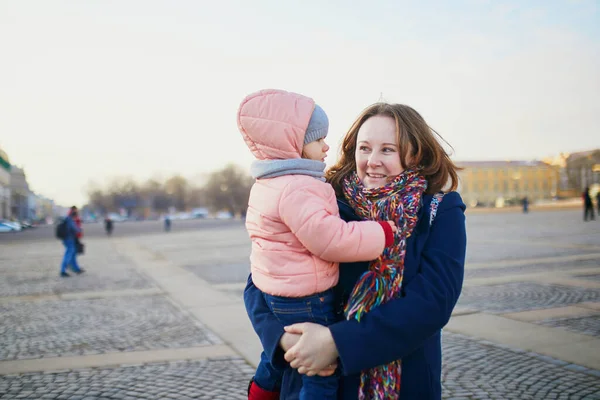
x: 288, y: 340
x: 315, y: 352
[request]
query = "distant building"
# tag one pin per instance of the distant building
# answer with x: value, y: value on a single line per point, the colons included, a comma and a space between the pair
x: 19, y: 192
x: 4, y: 186
x: 44, y: 209
x: 583, y: 169
x: 502, y: 183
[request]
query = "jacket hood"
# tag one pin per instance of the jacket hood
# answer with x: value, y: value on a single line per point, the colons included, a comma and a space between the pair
x: 273, y: 123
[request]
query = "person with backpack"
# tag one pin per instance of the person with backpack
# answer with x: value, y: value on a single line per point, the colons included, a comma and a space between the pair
x: 69, y: 232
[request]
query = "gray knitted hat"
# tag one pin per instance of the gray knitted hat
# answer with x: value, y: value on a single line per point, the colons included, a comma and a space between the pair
x: 318, y: 126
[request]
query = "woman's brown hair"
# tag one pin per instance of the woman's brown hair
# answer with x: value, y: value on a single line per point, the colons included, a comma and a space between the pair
x: 414, y: 136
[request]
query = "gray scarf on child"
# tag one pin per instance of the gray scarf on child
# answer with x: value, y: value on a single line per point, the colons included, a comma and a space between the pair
x: 295, y: 166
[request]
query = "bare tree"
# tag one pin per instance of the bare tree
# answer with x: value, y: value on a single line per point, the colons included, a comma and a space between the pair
x: 229, y: 189
x: 226, y: 189
x: 177, y: 189
x: 125, y: 193
x: 155, y: 196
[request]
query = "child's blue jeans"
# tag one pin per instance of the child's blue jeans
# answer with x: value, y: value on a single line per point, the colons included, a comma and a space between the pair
x: 318, y: 308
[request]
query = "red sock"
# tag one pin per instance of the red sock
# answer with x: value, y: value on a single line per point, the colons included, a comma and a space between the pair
x: 256, y: 393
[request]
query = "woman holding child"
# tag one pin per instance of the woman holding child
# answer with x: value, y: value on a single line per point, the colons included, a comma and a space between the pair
x: 398, y: 281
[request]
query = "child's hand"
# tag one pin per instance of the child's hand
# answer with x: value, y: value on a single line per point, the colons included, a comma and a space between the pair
x: 330, y: 370
x: 393, y: 225
x: 288, y: 340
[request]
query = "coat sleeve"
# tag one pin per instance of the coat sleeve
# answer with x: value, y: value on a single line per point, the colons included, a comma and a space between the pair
x: 265, y: 324
x: 397, y: 328
x: 311, y: 213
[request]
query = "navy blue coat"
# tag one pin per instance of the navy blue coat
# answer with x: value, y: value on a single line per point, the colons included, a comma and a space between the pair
x: 407, y: 328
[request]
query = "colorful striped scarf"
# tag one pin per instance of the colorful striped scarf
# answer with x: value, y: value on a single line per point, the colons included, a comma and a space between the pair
x: 399, y: 201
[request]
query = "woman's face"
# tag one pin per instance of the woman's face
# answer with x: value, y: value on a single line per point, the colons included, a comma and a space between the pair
x: 377, y: 153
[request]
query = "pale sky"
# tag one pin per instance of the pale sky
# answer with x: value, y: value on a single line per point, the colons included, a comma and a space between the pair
x: 92, y: 89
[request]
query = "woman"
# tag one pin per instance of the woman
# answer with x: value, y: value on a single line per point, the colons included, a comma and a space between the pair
x: 389, y: 341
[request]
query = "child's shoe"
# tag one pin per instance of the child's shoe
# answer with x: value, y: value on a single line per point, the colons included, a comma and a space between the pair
x: 255, y: 392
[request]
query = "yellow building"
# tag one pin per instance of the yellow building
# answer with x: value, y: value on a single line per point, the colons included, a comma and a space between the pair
x: 502, y: 183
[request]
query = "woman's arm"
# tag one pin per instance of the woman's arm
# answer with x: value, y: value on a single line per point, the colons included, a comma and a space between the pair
x: 395, y: 329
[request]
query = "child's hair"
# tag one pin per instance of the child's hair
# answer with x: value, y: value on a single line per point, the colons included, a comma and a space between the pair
x: 413, y: 135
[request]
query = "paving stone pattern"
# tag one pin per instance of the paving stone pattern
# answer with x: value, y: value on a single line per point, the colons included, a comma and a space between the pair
x: 474, y: 369
x: 588, y: 325
x: 222, y: 272
x: 523, y: 296
x: 39, y: 276
x: 594, y: 277
x: 225, y: 379
x: 514, y: 248
x: 532, y: 268
x: 92, y: 326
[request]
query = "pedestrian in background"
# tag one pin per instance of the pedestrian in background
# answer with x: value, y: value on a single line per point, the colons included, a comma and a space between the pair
x: 525, y: 205
x: 108, y: 225
x: 588, y: 206
x: 167, y: 223
x: 72, y: 232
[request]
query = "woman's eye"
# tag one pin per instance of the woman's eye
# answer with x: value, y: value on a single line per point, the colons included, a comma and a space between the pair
x: 363, y: 148
x: 388, y: 150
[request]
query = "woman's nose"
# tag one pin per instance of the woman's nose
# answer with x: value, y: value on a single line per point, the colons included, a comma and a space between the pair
x: 374, y: 161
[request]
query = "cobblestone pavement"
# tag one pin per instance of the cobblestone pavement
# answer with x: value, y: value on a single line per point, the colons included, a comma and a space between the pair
x: 535, y: 267
x: 213, y: 273
x: 37, y: 273
x: 480, y: 370
x: 522, y: 296
x: 81, y: 327
x: 472, y: 369
x: 33, y: 328
x: 588, y: 325
x: 225, y: 379
x: 594, y: 277
x: 510, y: 251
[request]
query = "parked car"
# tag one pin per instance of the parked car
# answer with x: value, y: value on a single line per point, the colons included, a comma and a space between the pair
x: 224, y: 215
x: 27, y: 224
x: 117, y: 217
x: 14, y: 224
x: 200, y: 212
x: 4, y: 227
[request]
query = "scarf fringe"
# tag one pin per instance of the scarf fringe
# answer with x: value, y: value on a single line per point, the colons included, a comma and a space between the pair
x: 381, y: 383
